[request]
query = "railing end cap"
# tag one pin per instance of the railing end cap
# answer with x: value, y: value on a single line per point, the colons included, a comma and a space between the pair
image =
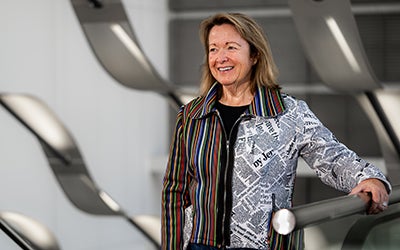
x: 284, y: 221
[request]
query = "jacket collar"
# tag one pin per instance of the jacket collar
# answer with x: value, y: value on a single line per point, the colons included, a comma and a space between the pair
x: 267, y: 102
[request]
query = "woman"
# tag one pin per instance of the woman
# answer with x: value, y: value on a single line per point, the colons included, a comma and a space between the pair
x: 234, y: 153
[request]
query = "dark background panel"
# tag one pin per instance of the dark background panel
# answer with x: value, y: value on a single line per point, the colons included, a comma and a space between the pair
x: 286, y: 49
x: 186, y: 53
x: 185, y: 5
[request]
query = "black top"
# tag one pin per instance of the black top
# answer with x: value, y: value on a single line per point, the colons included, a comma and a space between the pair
x: 229, y: 115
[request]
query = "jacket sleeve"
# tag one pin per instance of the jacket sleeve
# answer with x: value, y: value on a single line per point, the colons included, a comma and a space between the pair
x: 334, y: 163
x: 174, y: 195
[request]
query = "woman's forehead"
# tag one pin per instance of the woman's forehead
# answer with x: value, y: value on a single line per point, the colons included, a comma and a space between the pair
x: 224, y: 33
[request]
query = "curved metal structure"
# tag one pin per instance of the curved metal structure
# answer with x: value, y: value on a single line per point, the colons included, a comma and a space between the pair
x: 27, y: 233
x: 68, y: 165
x: 330, y: 38
x: 381, y: 107
x: 358, y: 233
x: 111, y: 37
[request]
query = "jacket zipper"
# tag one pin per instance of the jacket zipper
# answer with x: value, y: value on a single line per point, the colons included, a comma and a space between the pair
x: 226, y: 235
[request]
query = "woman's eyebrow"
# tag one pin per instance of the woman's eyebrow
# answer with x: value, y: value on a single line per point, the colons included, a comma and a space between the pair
x: 227, y: 43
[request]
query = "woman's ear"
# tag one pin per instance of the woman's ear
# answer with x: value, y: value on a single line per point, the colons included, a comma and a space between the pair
x: 254, y: 58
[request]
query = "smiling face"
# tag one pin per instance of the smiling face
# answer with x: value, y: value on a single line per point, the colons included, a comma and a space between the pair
x: 229, y: 57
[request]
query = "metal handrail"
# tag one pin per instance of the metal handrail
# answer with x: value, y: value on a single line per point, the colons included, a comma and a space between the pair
x: 286, y: 221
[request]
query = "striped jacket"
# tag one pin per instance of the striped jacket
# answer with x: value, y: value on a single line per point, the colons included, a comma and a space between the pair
x: 233, y: 183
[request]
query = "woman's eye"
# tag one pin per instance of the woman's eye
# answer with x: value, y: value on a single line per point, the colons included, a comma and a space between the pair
x: 212, y: 49
x: 231, y: 47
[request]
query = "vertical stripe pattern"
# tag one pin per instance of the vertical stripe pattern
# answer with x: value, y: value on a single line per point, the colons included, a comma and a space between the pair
x: 292, y: 241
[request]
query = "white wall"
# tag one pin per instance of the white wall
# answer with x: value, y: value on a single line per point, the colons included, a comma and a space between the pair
x: 43, y: 52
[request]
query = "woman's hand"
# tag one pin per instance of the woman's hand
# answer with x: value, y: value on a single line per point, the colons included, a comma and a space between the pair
x: 377, y: 190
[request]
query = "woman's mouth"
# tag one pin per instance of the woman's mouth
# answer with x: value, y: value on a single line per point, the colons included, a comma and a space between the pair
x: 223, y: 69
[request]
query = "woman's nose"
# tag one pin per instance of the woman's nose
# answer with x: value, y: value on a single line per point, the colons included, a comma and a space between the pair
x: 221, y: 57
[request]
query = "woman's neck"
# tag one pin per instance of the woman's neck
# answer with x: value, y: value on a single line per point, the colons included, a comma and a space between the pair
x: 236, y: 95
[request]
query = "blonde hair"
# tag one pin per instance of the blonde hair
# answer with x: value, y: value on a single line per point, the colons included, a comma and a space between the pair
x: 264, y: 71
